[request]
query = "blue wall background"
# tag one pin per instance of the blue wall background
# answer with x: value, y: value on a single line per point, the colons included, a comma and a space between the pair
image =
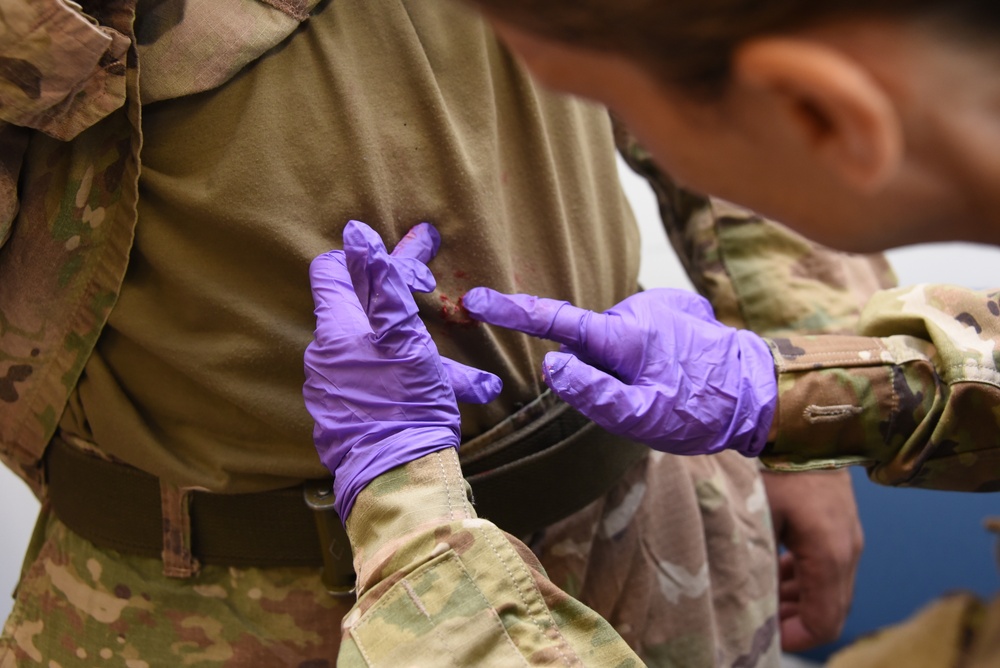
x: 918, y: 545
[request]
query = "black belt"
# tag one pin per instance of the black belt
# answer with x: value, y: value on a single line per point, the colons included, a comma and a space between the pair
x: 539, y: 474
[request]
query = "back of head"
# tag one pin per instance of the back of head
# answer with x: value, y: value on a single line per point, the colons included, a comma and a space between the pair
x: 689, y: 43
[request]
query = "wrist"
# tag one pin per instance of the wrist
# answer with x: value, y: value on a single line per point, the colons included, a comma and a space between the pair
x: 762, y: 392
x: 371, y: 455
x: 426, y: 491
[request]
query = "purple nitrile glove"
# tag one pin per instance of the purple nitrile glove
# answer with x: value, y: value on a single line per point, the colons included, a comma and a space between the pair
x: 375, y: 384
x: 411, y: 255
x: 683, y: 382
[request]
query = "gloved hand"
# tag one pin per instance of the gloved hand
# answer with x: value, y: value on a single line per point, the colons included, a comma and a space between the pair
x: 375, y: 385
x: 657, y: 368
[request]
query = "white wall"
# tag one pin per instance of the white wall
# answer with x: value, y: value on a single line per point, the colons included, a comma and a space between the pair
x: 17, y: 517
x: 962, y: 264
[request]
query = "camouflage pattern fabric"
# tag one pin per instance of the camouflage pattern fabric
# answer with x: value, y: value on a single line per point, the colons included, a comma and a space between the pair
x: 916, y: 399
x: 72, y: 73
x: 61, y: 262
x: 79, y: 605
x: 60, y: 72
x: 692, y: 589
x: 680, y: 558
x: 437, y: 586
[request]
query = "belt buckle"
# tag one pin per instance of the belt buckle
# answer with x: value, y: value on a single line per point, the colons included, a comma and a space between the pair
x: 338, y: 560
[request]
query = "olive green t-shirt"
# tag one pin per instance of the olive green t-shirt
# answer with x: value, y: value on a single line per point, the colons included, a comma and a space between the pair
x: 391, y: 112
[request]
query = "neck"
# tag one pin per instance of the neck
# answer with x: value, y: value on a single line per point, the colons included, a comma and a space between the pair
x: 949, y: 104
x: 969, y: 149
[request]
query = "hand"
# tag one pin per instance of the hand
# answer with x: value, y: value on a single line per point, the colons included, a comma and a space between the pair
x: 816, y: 520
x: 657, y: 368
x: 375, y: 384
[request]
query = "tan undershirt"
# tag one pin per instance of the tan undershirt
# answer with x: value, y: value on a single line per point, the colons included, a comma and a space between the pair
x: 383, y: 111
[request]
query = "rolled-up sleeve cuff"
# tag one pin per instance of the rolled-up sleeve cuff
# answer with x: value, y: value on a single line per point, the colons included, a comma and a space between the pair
x: 845, y: 400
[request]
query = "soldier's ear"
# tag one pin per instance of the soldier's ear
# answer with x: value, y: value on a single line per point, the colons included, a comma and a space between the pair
x: 830, y: 102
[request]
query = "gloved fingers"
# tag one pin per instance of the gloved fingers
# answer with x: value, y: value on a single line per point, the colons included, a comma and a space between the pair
x: 421, y: 243
x: 546, y: 318
x: 338, y: 310
x: 379, y: 283
x: 413, y: 252
x: 471, y: 385
x: 685, y: 301
x: 416, y: 274
x: 604, y: 399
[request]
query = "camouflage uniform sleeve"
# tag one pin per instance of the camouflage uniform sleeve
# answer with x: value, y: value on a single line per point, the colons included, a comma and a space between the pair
x: 434, y: 580
x: 60, y: 70
x: 916, y: 399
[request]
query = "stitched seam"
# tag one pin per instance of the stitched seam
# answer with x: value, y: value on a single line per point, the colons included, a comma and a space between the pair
x: 416, y: 599
x: 875, y: 360
x: 895, y: 404
x: 462, y: 498
x: 447, y: 486
x: 496, y: 617
x: 852, y: 351
x: 524, y: 601
x: 816, y: 414
x: 994, y: 375
x: 290, y: 8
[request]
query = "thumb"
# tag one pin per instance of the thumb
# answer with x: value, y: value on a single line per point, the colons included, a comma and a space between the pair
x: 471, y: 385
x: 608, y: 402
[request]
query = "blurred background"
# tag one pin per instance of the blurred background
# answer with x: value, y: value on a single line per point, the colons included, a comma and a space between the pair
x: 919, y: 544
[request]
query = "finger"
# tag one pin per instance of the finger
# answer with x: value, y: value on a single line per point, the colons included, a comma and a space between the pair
x: 413, y: 252
x: 786, y: 566
x: 546, y: 318
x: 381, y: 289
x: 787, y: 609
x: 603, y: 398
x: 471, y: 385
x: 421, y: 243
x: 796, y: 637
x: 416, y: 274
x: 788, y: 590
x: 338, y: 310
x: 822, y: 608
x: 688, y: 302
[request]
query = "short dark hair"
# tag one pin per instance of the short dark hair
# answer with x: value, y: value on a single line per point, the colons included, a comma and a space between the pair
x: 690, y: 43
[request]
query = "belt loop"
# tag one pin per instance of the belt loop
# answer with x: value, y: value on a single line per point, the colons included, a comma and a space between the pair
x: 338, y: 560
x: 175, y: 505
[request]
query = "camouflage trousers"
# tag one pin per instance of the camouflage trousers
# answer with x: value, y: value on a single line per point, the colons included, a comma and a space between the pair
x: 678, y: 557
